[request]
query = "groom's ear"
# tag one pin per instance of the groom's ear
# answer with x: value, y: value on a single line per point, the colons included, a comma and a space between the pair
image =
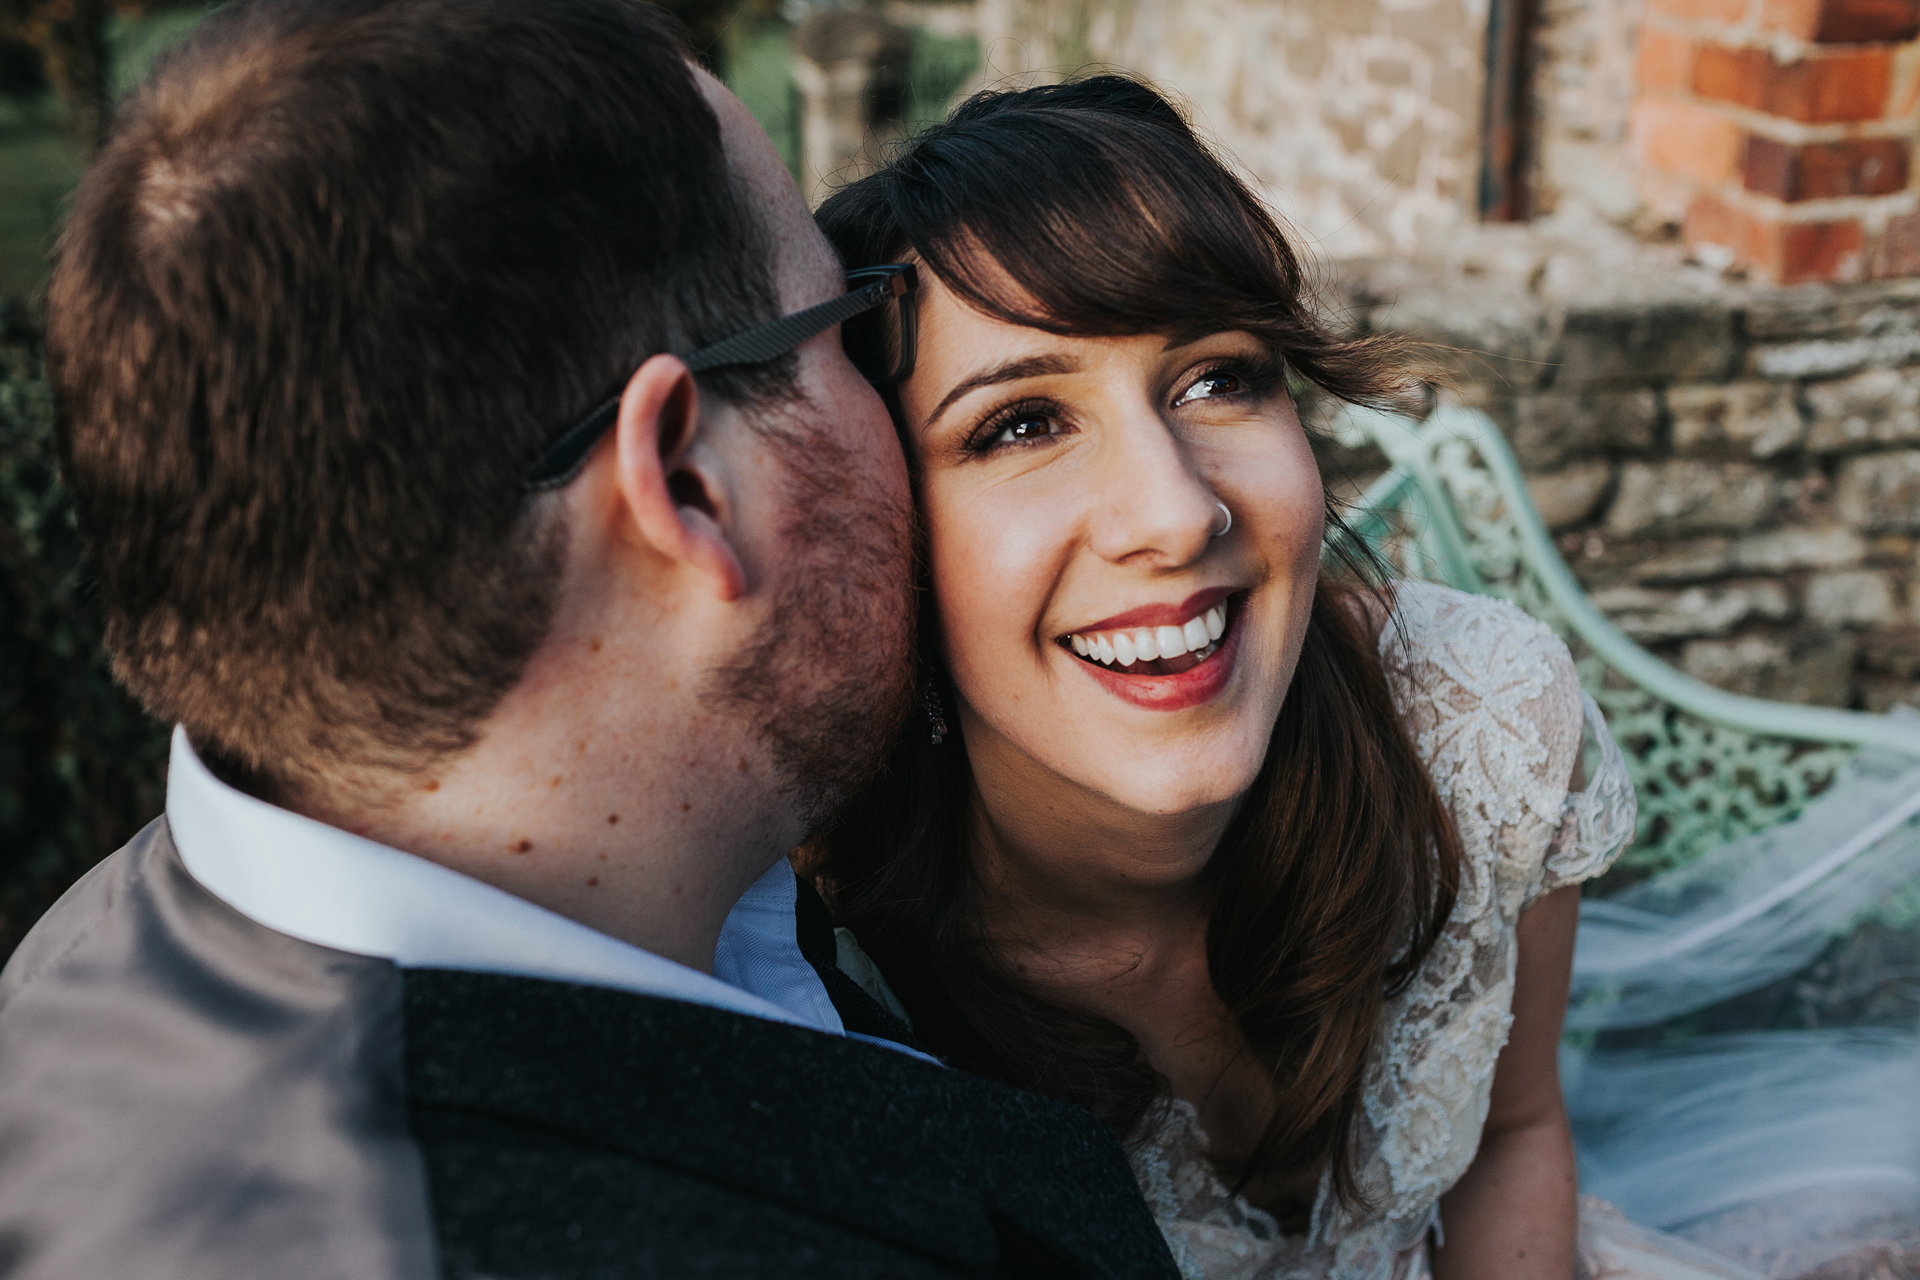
x: 673, y: 482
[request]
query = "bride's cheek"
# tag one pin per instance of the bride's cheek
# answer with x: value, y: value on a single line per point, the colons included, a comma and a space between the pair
x: 964, y: 569
x: 986, y: 562
x: 1290, y: 515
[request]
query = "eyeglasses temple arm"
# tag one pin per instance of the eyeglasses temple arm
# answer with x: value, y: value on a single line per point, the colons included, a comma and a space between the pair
x: 563, y: 460
x: 774, y: 339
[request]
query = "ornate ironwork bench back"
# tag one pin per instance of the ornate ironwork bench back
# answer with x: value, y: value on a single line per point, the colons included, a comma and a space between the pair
x: 1709, y: 765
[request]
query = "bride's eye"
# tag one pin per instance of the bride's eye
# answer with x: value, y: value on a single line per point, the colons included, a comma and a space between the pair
x: 1214, y: 382
x: 1023, y: 424
x: 1029, y: 426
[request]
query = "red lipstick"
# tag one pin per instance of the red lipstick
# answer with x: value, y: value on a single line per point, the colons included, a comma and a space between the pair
x: 1181, y: 690
x: 1160, y: 615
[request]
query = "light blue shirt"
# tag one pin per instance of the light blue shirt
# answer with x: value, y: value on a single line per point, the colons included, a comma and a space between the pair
x: 335, y: 889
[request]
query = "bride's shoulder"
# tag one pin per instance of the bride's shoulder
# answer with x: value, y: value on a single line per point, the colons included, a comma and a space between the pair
x: 1479, y: 642
x: 1490, y: 693
x: 1493, y: 703
x: 1434, y: 614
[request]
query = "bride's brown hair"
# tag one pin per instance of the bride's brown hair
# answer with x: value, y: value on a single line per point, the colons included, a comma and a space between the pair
x: 1104, y: 214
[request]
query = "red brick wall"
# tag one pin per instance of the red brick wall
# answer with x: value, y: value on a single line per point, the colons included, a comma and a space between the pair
x: 1781, y: 131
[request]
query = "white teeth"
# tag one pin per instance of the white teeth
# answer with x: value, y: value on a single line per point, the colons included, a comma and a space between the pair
x: 1148, y: 643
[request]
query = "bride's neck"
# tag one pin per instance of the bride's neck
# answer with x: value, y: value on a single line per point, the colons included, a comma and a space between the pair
x: 1069, y: 877
x: 1104, y: 909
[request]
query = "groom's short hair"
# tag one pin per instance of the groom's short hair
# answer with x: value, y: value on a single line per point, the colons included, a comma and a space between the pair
x: 340, y: 273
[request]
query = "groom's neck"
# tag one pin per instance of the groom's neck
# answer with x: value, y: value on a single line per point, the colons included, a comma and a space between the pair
x: 646, y: 827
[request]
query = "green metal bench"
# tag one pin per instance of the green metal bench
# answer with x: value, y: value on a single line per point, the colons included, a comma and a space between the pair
x: 1709, y: 766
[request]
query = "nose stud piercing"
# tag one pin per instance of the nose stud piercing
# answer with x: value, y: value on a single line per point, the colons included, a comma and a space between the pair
x: 1226, y: 520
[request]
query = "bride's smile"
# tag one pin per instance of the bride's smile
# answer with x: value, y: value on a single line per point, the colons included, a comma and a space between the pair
x: 1155, y: 645
x: 1124, y: 538
x: 1166, y: 657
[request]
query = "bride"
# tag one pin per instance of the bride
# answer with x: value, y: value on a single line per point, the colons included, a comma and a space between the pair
x: 1275, y: 870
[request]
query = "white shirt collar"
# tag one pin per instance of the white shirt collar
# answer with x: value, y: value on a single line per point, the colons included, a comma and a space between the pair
x: 335, y: 889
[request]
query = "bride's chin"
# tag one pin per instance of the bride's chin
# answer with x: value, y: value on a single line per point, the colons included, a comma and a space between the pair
x: 1171, y: 792
x: 1170, y: 764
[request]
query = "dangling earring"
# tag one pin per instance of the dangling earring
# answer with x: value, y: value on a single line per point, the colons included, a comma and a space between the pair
x: 936, y: 713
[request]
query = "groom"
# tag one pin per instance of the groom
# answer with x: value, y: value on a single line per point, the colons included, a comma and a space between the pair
x: 466, y: 946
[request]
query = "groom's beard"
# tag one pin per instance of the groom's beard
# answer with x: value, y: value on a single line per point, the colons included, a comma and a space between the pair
x: 829, y: 678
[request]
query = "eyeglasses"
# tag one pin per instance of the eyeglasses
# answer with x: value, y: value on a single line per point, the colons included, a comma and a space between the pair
x: 877, y: 315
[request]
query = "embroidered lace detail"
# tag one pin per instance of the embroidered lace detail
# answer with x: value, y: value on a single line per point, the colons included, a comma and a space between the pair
x: 1599, y: 820
x: 1211, y: 1231
x: 1496, y: 712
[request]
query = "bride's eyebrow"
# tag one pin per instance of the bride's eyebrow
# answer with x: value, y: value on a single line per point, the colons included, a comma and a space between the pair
x: 1187, y: 337
x: 1011, y: 371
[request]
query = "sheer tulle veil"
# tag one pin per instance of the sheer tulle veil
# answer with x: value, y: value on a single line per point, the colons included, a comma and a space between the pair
x: 1743, y: 1063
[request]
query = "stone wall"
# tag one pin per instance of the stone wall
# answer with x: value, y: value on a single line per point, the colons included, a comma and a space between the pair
x: 1732, y: 470
x: 1583, y: 89
x: 1358, y: 119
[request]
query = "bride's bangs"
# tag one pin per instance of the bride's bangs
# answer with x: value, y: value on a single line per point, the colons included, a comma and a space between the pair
x: 1110, y: 229
x: 1092, y: 209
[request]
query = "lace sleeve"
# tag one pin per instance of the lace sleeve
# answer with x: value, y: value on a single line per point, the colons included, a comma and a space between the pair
x: 1597, y: 823
x: 1495, y: 707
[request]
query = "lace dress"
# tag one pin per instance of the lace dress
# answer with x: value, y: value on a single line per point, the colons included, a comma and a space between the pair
x: 1782, y: 1150
x: 1498, y: 717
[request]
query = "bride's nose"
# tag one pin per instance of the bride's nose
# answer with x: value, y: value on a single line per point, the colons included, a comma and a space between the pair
x: 1152, y: 507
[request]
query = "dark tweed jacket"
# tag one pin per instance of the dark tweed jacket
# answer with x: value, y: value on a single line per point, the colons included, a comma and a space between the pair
x: 184, y: 1093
